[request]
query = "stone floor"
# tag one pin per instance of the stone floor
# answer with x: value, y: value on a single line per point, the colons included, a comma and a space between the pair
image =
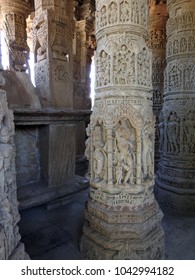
x: 52, y: 231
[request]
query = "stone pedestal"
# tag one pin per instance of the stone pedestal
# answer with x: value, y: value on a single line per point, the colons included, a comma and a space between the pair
x: 57, y: 152
x: 122, y: 216
x: 176, y: 175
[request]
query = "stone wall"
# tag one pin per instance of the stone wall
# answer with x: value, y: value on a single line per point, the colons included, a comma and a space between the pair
x: 10, y: 246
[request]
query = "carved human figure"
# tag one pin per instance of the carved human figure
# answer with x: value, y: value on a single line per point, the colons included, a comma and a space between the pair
x: 103, y: 19
x: 124, y: 151
x: 135, y: 12
x: 98, y: 154
x: 122, y: 60
x: 88, y: 151
x: 6, y: 151
x: 104, y: 74
x: 161, y: 132
x: 119, y: 173
x: 189, y: 132
x: 41, y: 41
x: 124, y: 12
x: 147, y: 150
x: 112, y: 13
x: 98, y: 163
x: 173, y: 132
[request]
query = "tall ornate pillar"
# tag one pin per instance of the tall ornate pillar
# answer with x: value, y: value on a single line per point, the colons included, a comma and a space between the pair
x: 84, y: 45
x: 122, y: 215
x: 13, y: 23
x: 53, y: 27
x: 176, y: 175
x: 157, y: 43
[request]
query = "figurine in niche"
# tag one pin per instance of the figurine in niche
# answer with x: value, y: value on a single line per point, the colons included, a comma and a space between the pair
x: 87, y: 151
x: 119, y: 173
x: 105, y: 69
x: 161, y: 131
x: 125, y: 138
x: 189, y: 132
x: 6, y: 151
x: 173, y: 132
x: 147, y: 150
x: 103, y: 21
x: 113, y: 13
x: 99, y: 155
x: 124, y: 11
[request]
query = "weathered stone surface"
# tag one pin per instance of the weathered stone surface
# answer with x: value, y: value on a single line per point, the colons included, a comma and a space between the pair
x: 27, y: 155
x: 20, y: 91
x: 13, y: 25
x: 176, y: 175
x: 53, y: 28
x: 57, y: 148
x: 83, y: 49
x: 157, y: 43
x: 9, y: 216
x: 38, y: 193
x: 120, y: 147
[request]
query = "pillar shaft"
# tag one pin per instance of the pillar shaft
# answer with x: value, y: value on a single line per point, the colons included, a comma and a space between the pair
x: 175, y: 182
x: 53, y: 28
x: 84, y: 46
x: 122, y: 216
x: 157, y: 43
x: 13, y: 23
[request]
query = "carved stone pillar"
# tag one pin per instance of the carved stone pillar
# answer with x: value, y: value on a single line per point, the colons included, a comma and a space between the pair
x: 157, y: 43
x: 53, y: 34
x: 10, y: 246
x: 176, y: 175
x: 13, y: 23
x: 83, y: 51
x: 122, y: 215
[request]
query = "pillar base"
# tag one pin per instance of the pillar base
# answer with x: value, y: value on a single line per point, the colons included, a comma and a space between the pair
x: 122, y: 232
x: 175, y: 200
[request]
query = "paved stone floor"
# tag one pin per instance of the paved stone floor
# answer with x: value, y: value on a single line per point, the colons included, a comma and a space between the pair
x: 52, y: 231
